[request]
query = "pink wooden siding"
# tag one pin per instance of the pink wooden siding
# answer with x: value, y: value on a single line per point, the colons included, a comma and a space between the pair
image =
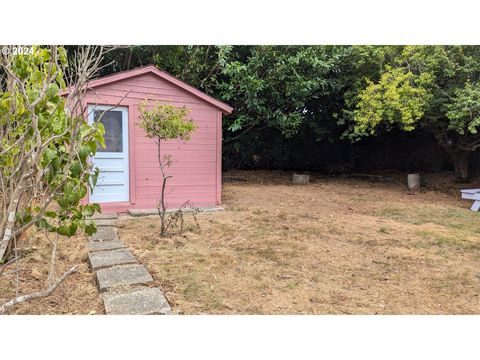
x: 196, y: 167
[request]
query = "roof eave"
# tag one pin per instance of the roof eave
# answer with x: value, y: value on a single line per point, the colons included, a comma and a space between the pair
x: 226, y: 109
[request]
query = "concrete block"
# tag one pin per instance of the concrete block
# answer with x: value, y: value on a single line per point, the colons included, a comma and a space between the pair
x: 103, y: 259
x: 105, y: 222
x: 300, y: 179
x: 105, y: 234
x: 98, y: 216
x: 122, y: 276
x: 140, y: 302
x: 105, y: 245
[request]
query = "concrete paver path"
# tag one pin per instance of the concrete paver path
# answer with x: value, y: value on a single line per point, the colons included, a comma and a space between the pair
x: 123, y: 282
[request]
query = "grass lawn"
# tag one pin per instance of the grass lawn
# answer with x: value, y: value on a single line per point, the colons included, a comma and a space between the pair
x: 335, y: 246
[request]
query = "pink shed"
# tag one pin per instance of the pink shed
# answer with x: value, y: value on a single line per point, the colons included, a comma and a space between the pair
x: 129, y: 174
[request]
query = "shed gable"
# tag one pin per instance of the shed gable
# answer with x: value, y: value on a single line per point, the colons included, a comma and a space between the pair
x: 152, y: 75
x: 150, y: 86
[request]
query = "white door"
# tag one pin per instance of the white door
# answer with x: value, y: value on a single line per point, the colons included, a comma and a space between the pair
x: 112, y: 184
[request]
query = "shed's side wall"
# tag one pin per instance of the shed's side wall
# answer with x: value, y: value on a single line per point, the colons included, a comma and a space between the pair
x: 196, y: 168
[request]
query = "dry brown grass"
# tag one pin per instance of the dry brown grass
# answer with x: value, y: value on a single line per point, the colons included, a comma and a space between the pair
x: 77, y: 295
x: 334, y: 246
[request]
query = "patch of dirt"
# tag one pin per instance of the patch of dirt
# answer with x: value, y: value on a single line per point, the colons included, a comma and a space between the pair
x: 78, y: 294
x: 335, y: 246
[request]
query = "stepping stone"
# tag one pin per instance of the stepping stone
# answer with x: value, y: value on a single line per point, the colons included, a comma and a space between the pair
x: 105, y: 245
x: 103, y: 259
x: 105, y: 222
x: 141, y: 302
x: 122, y: 276
x: 98, y: 216
x: 105, y: 233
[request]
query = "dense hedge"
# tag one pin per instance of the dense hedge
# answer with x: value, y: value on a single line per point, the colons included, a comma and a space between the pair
x: 402, y: 107
x: 393, y: 151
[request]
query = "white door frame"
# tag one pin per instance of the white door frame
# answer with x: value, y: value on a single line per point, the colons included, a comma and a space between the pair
x: 113, y: 155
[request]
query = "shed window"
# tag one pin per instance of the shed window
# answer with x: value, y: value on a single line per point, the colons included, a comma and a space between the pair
x: 112, y: 121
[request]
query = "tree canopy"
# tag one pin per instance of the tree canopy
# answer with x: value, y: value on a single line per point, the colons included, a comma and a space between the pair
x: 429, y: 87
x: 333, y: 94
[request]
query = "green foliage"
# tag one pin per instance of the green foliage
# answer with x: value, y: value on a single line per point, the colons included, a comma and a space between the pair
x: 165, y: 121
x: 268, y: 86
x: 332, y: 93
x: 273, y: 86
x: 399, y: 98
x: 421, y: 86
x: 428, y: 87
x: 464, y: 110
x: 40, y: 126
x: 279, y: 88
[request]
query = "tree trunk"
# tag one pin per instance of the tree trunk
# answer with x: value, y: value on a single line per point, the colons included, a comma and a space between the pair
x: 458, y: 148
x: 163, y: 207
x: 162, y: 210
x: 461, y: 165
x: 8, y: 232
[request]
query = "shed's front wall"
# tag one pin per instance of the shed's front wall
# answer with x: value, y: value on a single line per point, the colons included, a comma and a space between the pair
x: 196, y: 167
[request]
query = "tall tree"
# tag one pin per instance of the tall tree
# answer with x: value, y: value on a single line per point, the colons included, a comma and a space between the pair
x: 269, y: 86
x: 272, y: 88
x: 432, y: 88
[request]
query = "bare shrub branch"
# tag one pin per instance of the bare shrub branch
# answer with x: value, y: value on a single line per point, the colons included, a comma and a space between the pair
x: 38, y: 294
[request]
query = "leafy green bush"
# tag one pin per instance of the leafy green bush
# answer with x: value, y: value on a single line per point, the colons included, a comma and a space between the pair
x: 45, y: 145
